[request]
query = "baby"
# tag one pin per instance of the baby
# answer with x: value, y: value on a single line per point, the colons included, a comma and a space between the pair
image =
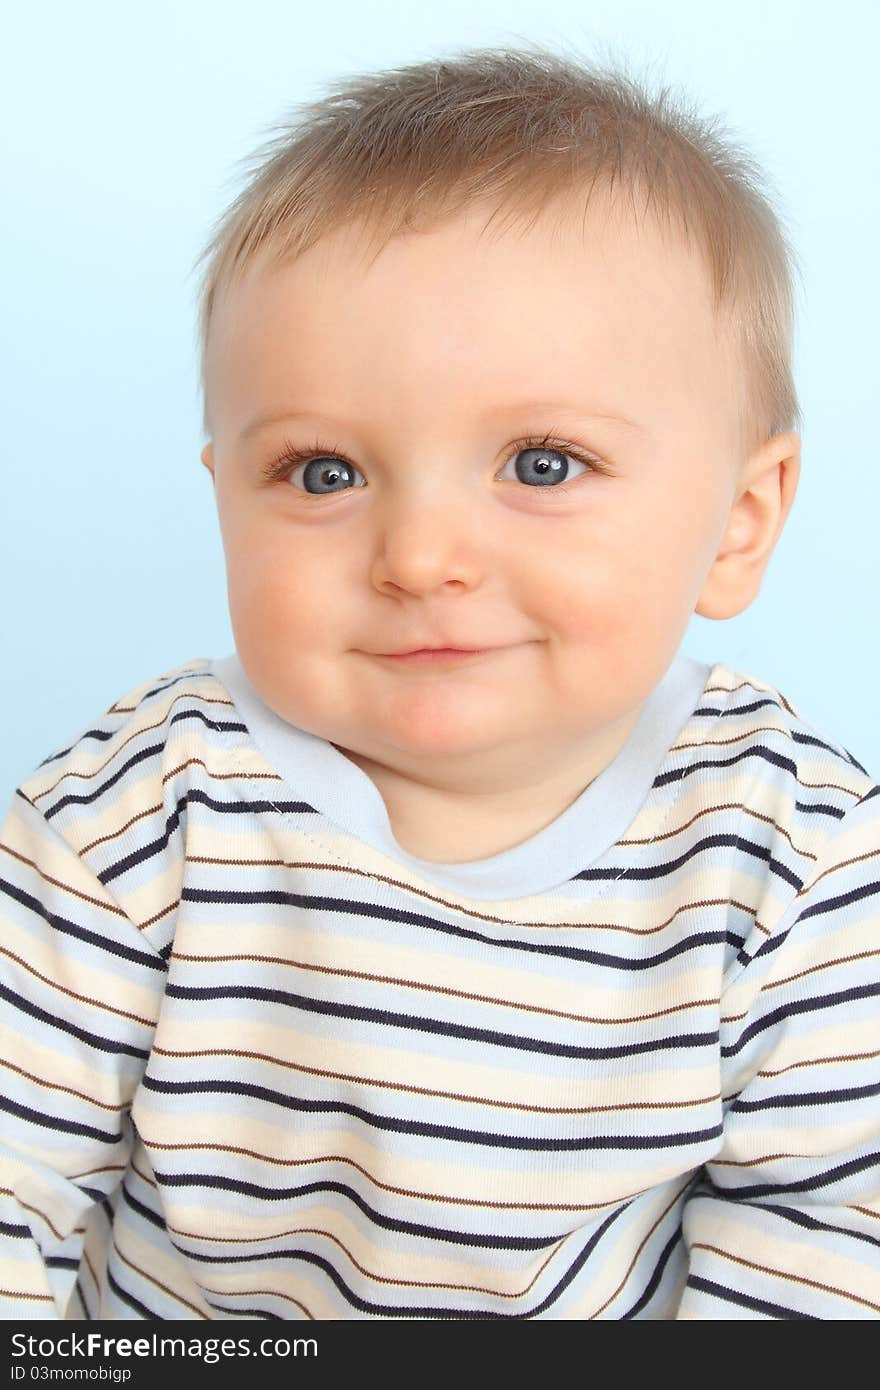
x: 457, y: 948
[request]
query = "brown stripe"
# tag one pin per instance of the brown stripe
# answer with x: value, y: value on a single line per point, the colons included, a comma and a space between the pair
x: 748, y: 684
x: 350, y: 870
x: 866, y: 1211
x: 821, y: 1061
x: 799, y: 975
x: 764, y: 729
x: 751, y: 685
x: 90, y: 1172
x: 842, y: 864
x: 85, y: 897
x: 198, y: 668
x: 633, y: 1262
x: 71, y: 994
x: 735, y: 738
x: 151, y: 1182
x: 158, y: 807
x: 813, y: 969
x: 158, y: 1284
x: 65, y: 887
x: 17, y: 1293
x: 138, y: 733
x: 714, y: 810
x: 752, y: 1162
x: 91, y: 1268
x: 439, y: 1197
x: 403, y: 983
x: 54, y: 1086
x: 257, y: 1293
x: 383, y: 1278
x: 26, y: 1206
x: 785, y: 1274
x: 486, y: 1101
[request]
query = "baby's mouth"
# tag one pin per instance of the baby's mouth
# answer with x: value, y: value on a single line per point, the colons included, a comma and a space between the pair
x: 428, y: 656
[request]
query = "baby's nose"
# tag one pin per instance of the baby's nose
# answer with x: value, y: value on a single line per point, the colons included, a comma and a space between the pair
x: 425, y: 542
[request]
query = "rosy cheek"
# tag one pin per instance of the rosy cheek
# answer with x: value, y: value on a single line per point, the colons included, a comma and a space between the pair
x: 584, y: 587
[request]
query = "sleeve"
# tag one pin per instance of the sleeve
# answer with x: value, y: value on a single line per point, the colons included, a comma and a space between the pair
x: 785, y: 1221
x: 81, y: 990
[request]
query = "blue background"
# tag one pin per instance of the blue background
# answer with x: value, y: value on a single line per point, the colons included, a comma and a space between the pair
x: 122, y: 132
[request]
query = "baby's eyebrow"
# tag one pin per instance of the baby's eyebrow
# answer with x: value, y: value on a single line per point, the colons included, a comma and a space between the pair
x: 513, y: 409
x: 261, y: 422
x: 564, y: 408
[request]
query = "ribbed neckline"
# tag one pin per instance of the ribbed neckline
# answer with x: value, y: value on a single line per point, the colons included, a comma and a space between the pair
x: 319, y: 774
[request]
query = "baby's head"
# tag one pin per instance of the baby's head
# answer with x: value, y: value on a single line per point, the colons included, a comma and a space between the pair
x: 496, y: 355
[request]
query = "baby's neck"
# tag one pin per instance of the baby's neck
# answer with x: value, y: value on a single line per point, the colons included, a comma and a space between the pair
x: 454, y: 824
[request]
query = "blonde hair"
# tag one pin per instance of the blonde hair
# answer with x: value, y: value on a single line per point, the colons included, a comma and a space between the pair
x: 404, y: 148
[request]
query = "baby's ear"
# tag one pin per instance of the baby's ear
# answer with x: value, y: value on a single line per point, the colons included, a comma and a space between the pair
x: 207, y: 457
x: 764, y: 495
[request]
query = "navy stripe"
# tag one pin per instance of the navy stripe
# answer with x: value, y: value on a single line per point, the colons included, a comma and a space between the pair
x: 38, y: 1117
x: 156, y: 846
x: 795, y: 1100
x: 216, y: 1181
x: 123, y: 714
x: 855, y: 895
x: 669, y: 866
x: 68, y: 928
x: 53, y: 1021
x: 674, y: 1243
x: 811, y: 1184
x: 152, y: 751
x: 380, y: 912
x: 810, y: 741
x: 142, y: 1210
x: 7, y: 1228
x: 735, y: 711
x: 755, y: 750
x: 811, y: 1223
x: 744, y: 1300
x: 263, y: 1313
x: 147, y: 851
x: 801, y: 1006
x: 78, y: 1291
x: 392, y: 1310
x: 578, y: 1264
x: 395, y: 1125
x: 140, y: 1308
x: 442, y: 1027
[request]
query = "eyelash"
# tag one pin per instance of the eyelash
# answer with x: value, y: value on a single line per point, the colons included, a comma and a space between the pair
x: 291, y: 455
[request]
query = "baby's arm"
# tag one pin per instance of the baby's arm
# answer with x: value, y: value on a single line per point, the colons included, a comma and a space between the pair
x: 81, y: 991
x: 787, y: 1222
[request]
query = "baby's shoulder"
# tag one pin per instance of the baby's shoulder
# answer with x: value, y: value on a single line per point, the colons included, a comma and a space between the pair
x: 116, y: 792
x: 779, y: 763
x: 138, y: 732
x: 799, y: 831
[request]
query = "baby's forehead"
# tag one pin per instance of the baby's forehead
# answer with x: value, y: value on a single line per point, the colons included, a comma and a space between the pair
x: 593, y: 290
x: 601, y: 304
x: 585, y: 248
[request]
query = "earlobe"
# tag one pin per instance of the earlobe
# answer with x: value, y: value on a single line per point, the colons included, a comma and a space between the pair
x: 764, y: 497
x: 207, y: 457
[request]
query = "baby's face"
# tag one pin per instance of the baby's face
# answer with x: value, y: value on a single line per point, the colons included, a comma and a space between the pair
x: 426, y: 519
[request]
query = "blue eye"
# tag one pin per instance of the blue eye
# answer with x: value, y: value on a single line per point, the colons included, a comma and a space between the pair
x: 321, y: 475
x: 543, y: 467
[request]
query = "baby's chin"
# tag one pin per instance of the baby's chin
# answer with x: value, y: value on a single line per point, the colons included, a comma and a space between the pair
x: 440, y: 720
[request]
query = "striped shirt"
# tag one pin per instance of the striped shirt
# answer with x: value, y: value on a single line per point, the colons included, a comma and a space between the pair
x: 261, y: 1063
